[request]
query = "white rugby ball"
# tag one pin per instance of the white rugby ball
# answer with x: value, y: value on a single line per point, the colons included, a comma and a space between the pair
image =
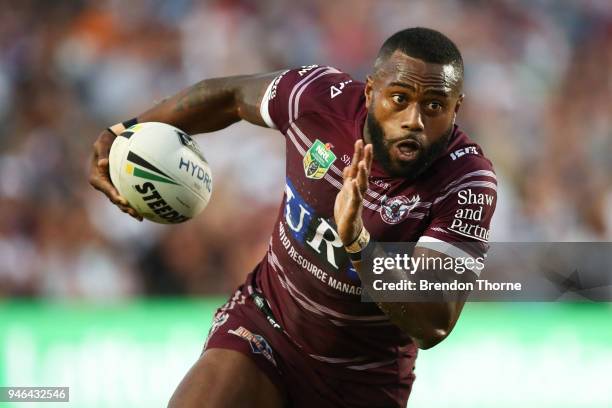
x: 161, y: 172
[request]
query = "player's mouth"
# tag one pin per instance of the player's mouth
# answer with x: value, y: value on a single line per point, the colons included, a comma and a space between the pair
x: 407, y: 149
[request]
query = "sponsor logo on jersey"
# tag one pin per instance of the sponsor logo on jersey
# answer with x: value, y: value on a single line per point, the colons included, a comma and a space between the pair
x: 315, y: 233
x: 469, y: 215
x: 346, y: 159
x: 318, y: 160
x: 305, y: 68
x: 469, y: 230
x: 380, y: 183
x: 394, y: 210
x: 337, y: 90
x: 463, y: 151
x: 275, y: 85
x: 466, y: 196
x: 259, y: 345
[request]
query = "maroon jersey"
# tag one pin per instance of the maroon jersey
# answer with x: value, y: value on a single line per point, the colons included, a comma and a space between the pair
x: 306, y: 275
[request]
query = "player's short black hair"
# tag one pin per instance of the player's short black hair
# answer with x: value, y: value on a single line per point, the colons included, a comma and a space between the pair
x: 422, y: 43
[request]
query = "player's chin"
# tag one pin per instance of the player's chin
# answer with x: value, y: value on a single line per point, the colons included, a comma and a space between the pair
x: 403, y: 168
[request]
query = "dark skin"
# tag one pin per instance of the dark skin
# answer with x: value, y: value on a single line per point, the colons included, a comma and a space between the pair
x: 220, y: 378
x: 401, y: 96
x: 427, y: 323
x: 209, y: 105
x: 414, y: 103
x: 412, y: 100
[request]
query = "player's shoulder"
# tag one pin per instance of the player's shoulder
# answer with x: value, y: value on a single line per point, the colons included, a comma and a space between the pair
x: 464, y: 164
x: 315, y: 89
x: 326, y: 90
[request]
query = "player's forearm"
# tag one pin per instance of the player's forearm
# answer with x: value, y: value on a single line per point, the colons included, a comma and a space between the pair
x: 209, y: 105
x: 427, y: 323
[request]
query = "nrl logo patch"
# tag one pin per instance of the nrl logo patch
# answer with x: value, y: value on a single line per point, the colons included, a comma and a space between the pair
x: 393, y: 210
x: 318, y: 160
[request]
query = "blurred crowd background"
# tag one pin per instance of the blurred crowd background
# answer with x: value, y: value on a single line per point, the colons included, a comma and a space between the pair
x: 539, y: 101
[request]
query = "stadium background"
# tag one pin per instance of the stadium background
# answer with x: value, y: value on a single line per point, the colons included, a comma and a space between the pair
x: 118, y: 310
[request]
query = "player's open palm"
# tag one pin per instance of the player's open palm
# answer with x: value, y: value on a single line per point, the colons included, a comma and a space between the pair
x: 349, y: 201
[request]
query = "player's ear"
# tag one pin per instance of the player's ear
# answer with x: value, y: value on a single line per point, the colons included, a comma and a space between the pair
x: 459, y: 102
x: 368, y: 90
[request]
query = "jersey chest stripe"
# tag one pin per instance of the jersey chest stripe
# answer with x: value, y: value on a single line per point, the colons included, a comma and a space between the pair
x: 322, y: 311
x: 273, y: 261
x: 373, y: 193
x: 333, y: 181
x: 483, y: 173
x: 297, y: 86
x: 335, y: 360
x: 320, y: 308
x: 372, y: 365
x: 369, y: 324
x: 299, y: 148
x: 372, y: 207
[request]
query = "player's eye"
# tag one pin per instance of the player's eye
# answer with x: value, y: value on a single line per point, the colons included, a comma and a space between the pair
x: 434, y: 106
x: 398, y: 98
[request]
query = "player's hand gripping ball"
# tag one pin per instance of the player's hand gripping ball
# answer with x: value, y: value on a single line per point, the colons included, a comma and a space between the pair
x: 161, y: 172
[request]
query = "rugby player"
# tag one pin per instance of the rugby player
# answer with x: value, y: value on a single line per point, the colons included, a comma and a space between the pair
x: 366, y: 162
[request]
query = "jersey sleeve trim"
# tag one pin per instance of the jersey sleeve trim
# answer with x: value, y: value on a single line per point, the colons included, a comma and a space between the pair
x: 446, y: 248
x: 264, y: 110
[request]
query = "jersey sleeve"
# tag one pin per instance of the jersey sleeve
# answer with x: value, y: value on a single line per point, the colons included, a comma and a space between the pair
x: 297, y: 91
x: 461, y: 214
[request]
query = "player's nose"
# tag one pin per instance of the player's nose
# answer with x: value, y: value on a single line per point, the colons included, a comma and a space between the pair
x: 412, y: 119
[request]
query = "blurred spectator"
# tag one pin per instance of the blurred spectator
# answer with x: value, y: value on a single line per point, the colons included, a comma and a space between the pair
x: 539, y: 101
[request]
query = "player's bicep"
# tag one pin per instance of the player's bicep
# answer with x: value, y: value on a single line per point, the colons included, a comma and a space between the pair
x: 251, y: 93
x: 295, y: 92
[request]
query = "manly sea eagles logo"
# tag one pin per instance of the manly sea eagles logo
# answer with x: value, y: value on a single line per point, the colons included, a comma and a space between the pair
x: 394, y: 210
x: 318, y: 159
